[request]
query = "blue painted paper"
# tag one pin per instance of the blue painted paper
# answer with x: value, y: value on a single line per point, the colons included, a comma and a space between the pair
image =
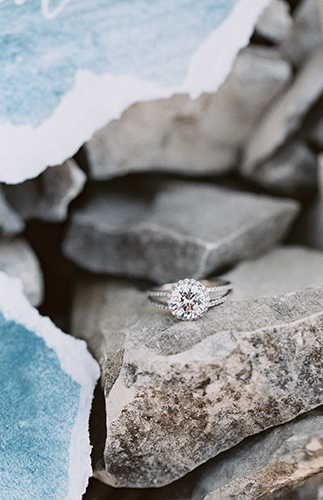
x: 39, y: 57
x: 38, y: 406
x: 68, y: 67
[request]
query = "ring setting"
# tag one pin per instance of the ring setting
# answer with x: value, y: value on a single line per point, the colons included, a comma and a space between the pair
x: 189, y: 299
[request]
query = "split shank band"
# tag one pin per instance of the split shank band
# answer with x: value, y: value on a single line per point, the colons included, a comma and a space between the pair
x: 189, y: 299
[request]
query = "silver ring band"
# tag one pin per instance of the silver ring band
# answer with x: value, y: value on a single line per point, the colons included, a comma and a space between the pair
x: 189, y: 299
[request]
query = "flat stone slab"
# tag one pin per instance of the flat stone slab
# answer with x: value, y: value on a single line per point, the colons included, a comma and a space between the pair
x: 286, y: 115
x: 264, y: 466
x: 191, y: 137
x: 17, y: 259
x: 282, y: 270
x: 48, y: 196
x: 179, y: 393
x: 46, y: 386
x: 174, y: 230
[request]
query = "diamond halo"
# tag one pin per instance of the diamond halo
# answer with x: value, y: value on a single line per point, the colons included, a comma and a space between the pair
x: 188, y: 299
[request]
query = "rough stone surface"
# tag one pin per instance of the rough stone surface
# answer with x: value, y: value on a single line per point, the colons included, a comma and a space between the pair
x: 286, y: 115
x: 291, y: 171
x: 17, y: 259
x: 306, y: 34
x: 178, y: 393
x: 282, y: 270
x: 174, y: 230
x: 10, y: 221
x: 259, y: 468
x: 47, y: 197
x: 311, y: 490
x: 275, y: 22
x: 187, y: 136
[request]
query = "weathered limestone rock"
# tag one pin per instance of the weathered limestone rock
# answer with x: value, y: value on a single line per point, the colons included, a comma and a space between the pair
x: 17, y: 259
x: 286, y: 115
x: 290, y: 171
x: 311, y: 490
x: 275, y: 22
x: 174, y: 230
x: 178, y: 393
x: 10, y: 221
x: 47, y: 197
x: 257, y: 469
x: 306, y: 34
x: 187, y: 136
x: 282, y: 270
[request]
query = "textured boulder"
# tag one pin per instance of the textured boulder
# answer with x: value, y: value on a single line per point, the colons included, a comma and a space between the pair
x: 263, y: 467
x: 290, y: 171
x: 17, y: 259
x: 191, y: 136
x: 179, y: 393
x: 174, y: 230
x: 275, y: 22
x: 286, y: 115
x: 282, y: 270
x: 306, y: 34
x: 47, y: 197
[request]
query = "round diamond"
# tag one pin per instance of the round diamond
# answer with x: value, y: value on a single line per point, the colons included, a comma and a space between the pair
x: 188, y: 299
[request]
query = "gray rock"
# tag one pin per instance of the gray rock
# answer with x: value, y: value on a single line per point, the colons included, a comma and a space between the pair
x: 10, y: 221
x: 282, y: 270
x: 179, y: 393
x: 290, y: 171
x: 17, y: 259
x: 174, y: 230
x: 316, y: 134
x: 311, y: 490
x: 259, y: 468
x: 286, y: 115
x: 309, y: 228
x: 275, y: 22
x: 187, y: 136
x: 306, y: 34
x: 47, y: 197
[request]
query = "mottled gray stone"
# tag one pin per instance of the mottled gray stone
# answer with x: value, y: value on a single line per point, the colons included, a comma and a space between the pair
x: 187, y: 136
x: 17, y: 259
x: 275, y: 22
x: 286, y: 115
x: 311, y: 490
x: 47, y: 197
x: 264, y: 467
x: 290, y: 171
x: 10, y: 221
x: 174, y: 230
x: 306, y: 34
x: 179, y: 393
x: 282, y: 270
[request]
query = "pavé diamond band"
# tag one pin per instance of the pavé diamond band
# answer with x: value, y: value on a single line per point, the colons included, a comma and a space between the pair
x: 189, y: 299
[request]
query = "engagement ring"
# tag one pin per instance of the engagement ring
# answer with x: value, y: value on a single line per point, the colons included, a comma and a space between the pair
x: 189, y: 299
